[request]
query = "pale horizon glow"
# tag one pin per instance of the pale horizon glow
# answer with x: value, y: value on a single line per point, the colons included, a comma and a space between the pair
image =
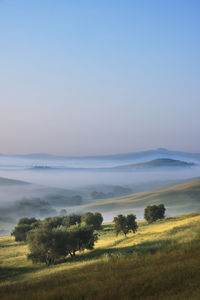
x: 86, y: 78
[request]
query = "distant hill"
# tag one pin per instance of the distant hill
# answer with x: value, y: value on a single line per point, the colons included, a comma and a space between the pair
x: 143, y: 155
x: 159, y: 163
x: 42, y: 168
x: 181, y: 198
x: 6, y: 181
x: 156, y: 163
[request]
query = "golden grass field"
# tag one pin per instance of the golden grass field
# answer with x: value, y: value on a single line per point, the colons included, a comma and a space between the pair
x: 160, y: 261
x: 182, y: 198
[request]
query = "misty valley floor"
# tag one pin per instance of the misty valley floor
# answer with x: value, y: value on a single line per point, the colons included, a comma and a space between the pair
x: 160, y: 261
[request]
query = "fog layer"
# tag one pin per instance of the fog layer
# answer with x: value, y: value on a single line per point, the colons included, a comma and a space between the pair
x: 70, y: 183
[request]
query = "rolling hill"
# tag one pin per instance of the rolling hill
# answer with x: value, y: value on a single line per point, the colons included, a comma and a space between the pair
x: 158, y: 163
x: 151, y: 264
x: 181, y: 198
x: 132, y: 156
x: 7, y: 181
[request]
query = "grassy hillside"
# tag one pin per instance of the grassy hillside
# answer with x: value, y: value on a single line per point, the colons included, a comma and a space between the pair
x: 181, y: 198
x: 151, y: 264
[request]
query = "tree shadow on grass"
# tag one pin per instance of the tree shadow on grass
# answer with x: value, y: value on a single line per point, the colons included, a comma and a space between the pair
x: 11, y: 273
x: 143, y: 248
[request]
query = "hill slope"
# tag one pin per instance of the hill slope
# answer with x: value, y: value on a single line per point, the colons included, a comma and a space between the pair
x: 180, y: 198
x: 7, y: 181
x: 151, y: 264
x: 160, y: 163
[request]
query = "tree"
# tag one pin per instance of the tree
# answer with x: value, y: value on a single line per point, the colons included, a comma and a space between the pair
x: 27, y: 221
x: 125, y: 224
x: 47, y: 244
x: 81, y: 237
x: 94, y: 220
x: 154, y: 212
x: 53, y: 222
x: 120, y: 224
x: 41, y: 245
x: 131, y: 222
x: 23, y: 227
x: 72, y: 219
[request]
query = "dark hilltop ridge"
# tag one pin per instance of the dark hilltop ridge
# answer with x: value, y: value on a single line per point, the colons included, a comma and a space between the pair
x: 159, y: 163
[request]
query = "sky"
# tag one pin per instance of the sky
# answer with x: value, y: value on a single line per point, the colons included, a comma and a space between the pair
x: 99, y: 77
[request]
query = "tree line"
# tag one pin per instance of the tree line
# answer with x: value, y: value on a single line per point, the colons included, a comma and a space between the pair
x: 57, y: 237
x: 60, y: 236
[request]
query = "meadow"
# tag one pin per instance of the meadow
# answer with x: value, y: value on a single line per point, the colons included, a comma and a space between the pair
x: 160, y: 261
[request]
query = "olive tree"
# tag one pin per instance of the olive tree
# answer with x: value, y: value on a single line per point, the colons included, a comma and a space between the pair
x: 47, y: 244
x: 154, y: 212
x: 125, y: 224
x: 23, y: 227
x: 93, y: 219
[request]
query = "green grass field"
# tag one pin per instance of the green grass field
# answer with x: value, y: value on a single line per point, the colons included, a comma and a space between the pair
x: 160, y: 261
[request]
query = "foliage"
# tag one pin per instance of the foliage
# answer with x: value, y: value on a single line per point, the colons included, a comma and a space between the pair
x: 41, y: 245
x: 54, y: 222
x: 93, y: 219
x: 81, y: 237
x: 27, y: 221
x: 48, y: 243
x: 154, y: 212
x: 154, y: 263
x: 24, y: 226
x: 125, y: 224
x: 131, y: 223
x: 72, y: 219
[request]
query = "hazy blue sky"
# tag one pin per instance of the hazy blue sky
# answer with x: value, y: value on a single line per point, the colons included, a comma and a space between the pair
x: 96, y: 77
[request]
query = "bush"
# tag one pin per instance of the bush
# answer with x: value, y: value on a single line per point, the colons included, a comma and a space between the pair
x: 154, y: 212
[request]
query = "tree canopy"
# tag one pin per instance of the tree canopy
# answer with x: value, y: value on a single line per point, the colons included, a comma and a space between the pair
x: 23, y: 227
x: 125, y: 224
x: 93, y: 219
x: 47, y: 244
x: 154, y: 212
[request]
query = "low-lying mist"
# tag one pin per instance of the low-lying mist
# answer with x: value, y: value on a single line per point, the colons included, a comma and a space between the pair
x: 70, y: 184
